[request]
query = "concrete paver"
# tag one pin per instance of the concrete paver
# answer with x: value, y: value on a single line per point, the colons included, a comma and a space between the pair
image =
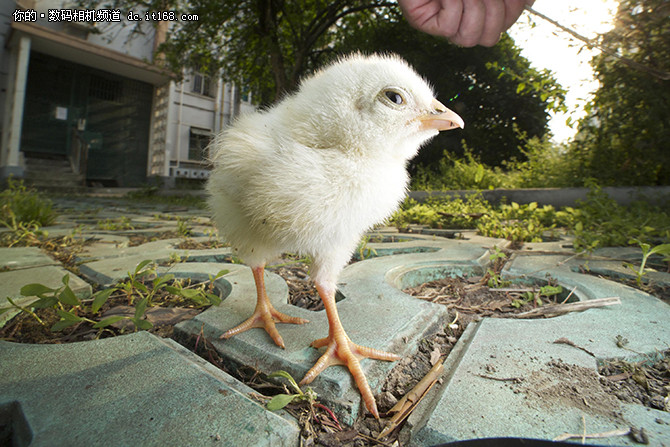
x: 15, y: 258
x: 134, y: 389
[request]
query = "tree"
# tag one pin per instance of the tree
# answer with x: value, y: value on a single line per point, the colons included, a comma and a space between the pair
x: 625, y: 138
x: 265, y: 44
x: 502, y: 99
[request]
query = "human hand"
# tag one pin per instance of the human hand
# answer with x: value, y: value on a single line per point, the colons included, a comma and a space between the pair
x: 464, y: 22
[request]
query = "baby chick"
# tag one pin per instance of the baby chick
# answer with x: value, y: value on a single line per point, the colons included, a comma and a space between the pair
x: 313, y: 173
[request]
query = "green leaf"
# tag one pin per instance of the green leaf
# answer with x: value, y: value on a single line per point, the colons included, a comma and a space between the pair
x: 141, y: 265
x: 100, y: 298
x: 280, y: 401
x: 289, y: 377
x: 520, y: 87
x: 66, y: 279
x: 550, y: 290
x: 69, y: 316
x: 141, y: 287
x: 189, y: 293
x: 45, y: 302
x: 479, y: 174
x: 67, y: 319
x: 173, y: 290
x: 159, y: 281
x: 214, y: 300
x: 68, y: 297
x: 140, y: 308
x: 63, y: 324
x: 663, y: 250
x: 108, y: 321
x: 35, y: 290
x: 142, y: 325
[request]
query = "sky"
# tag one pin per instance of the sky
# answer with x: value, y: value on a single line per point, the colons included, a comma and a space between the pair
x: 546, y: 46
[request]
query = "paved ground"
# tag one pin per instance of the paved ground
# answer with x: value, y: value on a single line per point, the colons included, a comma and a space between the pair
x: 142, y: 390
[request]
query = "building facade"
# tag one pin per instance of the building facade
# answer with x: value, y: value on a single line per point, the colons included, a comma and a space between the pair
x: 84, y: 100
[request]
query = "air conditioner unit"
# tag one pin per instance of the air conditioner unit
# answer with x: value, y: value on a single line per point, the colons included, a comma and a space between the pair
x: 180, y: 172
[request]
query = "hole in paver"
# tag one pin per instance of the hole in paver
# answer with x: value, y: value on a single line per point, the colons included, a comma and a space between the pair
x: 368, y: 253
x: 301, y: 289
x: 450, y: 284
x: 659, y: 289
x: 14, y: 429
x: 172, y: 300
x: 464, y: 290
x: 191, y: 244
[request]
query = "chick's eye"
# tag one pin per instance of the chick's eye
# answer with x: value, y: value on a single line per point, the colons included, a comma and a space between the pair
x: 394, y: 97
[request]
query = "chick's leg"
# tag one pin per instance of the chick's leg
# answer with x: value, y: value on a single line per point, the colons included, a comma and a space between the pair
x: 340, y: 350
x: 265, y: 315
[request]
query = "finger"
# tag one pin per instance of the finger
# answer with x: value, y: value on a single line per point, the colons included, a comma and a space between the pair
x: 472, y: 24
x: 449, y: 17
x: 494, y: 24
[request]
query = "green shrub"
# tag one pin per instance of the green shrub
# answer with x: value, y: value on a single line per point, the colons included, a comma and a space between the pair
x: 444, y: 212
x: 25, y: 205
x: 546, y: 165
x: 453, y: 173
x: 518, y: 223
x: 600, y: 221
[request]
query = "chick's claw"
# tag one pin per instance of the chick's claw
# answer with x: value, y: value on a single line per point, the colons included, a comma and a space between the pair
x: 342, y: 351
x: 265, y: 318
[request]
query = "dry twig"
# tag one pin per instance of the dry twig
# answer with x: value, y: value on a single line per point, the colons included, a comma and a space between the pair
x: 606, y: 434
x: 406, y: 405
x: 560, y: 309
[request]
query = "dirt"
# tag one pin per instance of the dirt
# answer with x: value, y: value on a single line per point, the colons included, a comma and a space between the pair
x: 192, y: 244
x: 646, y: 382
x: 572, y: 386
x: 301, y: 288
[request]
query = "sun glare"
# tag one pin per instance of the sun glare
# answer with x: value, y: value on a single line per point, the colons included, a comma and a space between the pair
x: 546, y: 46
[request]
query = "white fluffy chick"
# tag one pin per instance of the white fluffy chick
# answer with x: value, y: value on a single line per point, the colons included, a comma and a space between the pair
x: 313, y: 173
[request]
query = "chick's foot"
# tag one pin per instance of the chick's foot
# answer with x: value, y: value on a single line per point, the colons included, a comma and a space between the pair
x: 265, y: 315
x: 265, y: 318
x: 340, y: 350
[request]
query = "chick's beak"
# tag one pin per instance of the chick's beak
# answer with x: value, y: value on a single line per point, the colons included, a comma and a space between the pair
x: 440, y: 118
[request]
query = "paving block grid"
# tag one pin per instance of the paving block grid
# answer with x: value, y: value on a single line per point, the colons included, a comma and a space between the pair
x: 138, y: 389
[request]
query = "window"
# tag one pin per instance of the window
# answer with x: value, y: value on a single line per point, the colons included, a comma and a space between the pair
x: 197, y: 143
x: 201, y: 84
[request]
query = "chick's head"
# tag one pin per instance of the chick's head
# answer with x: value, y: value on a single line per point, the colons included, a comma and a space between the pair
x: 367, y: 106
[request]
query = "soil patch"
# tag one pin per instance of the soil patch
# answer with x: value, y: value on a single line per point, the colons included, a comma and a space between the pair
x: 646, y: 382
x: 301, y: 288
x: 191, y: 244
x: 137, y: 239
x: 573, y: 386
